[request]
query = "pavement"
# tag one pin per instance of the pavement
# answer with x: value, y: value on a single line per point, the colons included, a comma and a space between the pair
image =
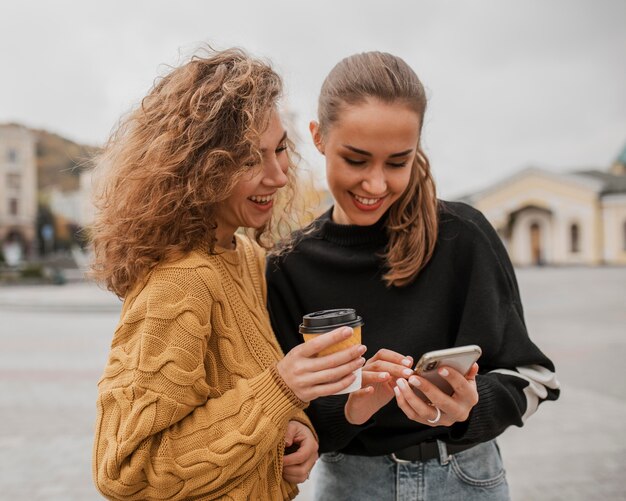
x: 54, y: 342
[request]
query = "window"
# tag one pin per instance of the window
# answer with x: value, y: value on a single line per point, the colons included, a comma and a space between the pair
x: 13, y: 206
x: 12, y: 155
x: 574, y: 238
x: 14, y: 181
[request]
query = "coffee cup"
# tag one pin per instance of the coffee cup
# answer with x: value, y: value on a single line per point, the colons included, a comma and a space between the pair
x: 320, y: 322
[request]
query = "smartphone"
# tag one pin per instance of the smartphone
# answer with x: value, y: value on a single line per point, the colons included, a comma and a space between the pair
x: 460, y: 358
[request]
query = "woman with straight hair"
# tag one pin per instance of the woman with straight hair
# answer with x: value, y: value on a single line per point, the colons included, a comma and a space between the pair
x: 425, y: 275
x: 197, y: 400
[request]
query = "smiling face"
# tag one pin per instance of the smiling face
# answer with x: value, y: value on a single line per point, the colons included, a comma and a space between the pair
x: 250, y: 203
x: 370, y: 151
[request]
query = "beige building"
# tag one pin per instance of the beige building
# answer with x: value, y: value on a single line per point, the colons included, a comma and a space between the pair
x: 563, y: 219
x: 18, y: 192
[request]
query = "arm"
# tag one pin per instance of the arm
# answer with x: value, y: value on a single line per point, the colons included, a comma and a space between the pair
x: 162, y: 431
x: 326, y: 413
x: 515, y: 376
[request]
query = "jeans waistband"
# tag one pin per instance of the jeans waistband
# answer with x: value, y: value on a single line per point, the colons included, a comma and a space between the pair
x: 428, y: 450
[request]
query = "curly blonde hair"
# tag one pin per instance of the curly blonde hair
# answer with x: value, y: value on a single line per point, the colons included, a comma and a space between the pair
x: 175, y: 157
x: 412, y: 223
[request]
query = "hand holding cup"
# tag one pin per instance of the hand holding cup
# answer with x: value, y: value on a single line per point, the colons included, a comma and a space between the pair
x: 311, y: 371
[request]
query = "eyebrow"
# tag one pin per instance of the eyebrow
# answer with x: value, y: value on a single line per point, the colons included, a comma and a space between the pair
x: 368, y: 154
x: 282, y: 139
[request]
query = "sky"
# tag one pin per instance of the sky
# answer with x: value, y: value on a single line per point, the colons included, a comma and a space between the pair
x: 511, y: 84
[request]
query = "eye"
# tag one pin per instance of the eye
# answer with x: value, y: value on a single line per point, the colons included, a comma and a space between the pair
x: 396, y: 165
x: 351, y: 161
x: 281, y: 148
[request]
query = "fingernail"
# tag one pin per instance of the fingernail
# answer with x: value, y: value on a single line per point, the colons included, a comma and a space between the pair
x: 362, y: 349
x: 407, y: 372
x: 383, y: 375
x: 362, y: 360
x: 347, y: 331
x: 406, y: 361
x: 396, y: 390
x: 443, y: 372
x: 401, y: 383
x: 414, y: 381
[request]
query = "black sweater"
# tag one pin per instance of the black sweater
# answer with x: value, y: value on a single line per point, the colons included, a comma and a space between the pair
x: 466, y: 294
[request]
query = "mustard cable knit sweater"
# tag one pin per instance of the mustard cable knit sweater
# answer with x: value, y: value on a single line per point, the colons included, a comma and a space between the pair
x: 190, y: 405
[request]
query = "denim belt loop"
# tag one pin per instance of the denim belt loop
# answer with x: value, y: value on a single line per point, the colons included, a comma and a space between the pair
x: 444, y: 457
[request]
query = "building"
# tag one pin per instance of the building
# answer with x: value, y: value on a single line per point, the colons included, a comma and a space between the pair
x: 18, y: 193
x: 550, y: 218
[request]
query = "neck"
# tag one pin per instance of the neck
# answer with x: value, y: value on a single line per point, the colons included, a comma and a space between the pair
x: 225, y: 237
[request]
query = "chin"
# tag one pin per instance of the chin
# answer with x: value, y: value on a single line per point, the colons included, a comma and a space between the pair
x: 368, y: 219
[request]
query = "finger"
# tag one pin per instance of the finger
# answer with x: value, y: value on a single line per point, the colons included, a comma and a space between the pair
x: 308, y: 448
x: 336, y: 373
x: 297, y: 457
x: 396, y: 370
x: 471, y: 375
x: 323, y: 341
x: 363, y: 392
x: 295, y: 474
x: 404, y: 406
x: 371, y: 377
x: 454, y: 378
x: 336, y: 359
x: 416, y: 403
x: 393, y: 357
x: 310, y: 463
x: 300, y: 471
x: 323, y: 390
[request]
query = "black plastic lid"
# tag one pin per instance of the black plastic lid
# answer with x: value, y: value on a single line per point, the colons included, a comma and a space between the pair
x: 319, y: 322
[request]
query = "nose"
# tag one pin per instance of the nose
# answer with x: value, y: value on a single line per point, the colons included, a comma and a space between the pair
x: 375, y: 182
x: 275, y: 172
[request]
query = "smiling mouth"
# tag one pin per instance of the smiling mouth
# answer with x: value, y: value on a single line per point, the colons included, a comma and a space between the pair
x: 261, y: 199
x: 366, y: 201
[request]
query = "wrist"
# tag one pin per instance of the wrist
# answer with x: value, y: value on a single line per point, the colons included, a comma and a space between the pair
x: 349, y: 418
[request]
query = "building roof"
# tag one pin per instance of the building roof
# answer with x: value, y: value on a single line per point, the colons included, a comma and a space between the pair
x: 611, y: 183
x: 621, y: 158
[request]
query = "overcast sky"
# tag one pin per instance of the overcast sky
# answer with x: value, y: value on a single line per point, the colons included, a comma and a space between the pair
x: 510, y: 83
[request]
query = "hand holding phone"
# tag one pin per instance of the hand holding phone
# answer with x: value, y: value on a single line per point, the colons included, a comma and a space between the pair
x: 460, y: 358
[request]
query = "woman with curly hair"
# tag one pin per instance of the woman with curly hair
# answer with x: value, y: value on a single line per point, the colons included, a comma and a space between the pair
x: 196, y: 400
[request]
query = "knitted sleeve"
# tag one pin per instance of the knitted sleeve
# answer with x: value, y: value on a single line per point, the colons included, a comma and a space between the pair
x: 515, y: 376
x: 285, y: 311
x: 261, y: 264
x: 165, y: 432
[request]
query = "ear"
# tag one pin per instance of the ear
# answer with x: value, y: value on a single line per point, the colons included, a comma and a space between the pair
x: 314, y: 127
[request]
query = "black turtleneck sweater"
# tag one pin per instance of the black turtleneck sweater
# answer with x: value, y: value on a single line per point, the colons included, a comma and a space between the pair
x: 467, y: 294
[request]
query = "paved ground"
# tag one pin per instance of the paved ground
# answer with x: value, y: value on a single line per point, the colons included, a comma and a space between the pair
x: 54, y: 342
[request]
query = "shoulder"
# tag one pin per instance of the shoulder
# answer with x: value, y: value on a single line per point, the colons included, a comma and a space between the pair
x: 476, y: 244
x: 468, y: 225
x: 190, y: 275
x: 288, y: 249
x: 171, y: 289
x: 463, y: 215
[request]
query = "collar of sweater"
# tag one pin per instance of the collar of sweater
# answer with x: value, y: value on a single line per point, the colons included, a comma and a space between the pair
x: 352, y: 234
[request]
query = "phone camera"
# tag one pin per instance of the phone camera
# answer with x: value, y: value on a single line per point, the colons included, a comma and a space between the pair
x: 431, y: 366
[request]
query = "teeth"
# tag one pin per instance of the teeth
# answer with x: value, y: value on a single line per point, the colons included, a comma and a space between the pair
x: 262, y: 199
x: 366, y: 201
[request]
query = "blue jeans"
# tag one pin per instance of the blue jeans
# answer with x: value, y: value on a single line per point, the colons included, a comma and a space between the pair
x: 474, y: 474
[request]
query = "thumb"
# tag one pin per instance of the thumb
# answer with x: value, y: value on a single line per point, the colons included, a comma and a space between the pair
x: 472, y: 372
x: 289, y: 434
x: 360, y: 393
